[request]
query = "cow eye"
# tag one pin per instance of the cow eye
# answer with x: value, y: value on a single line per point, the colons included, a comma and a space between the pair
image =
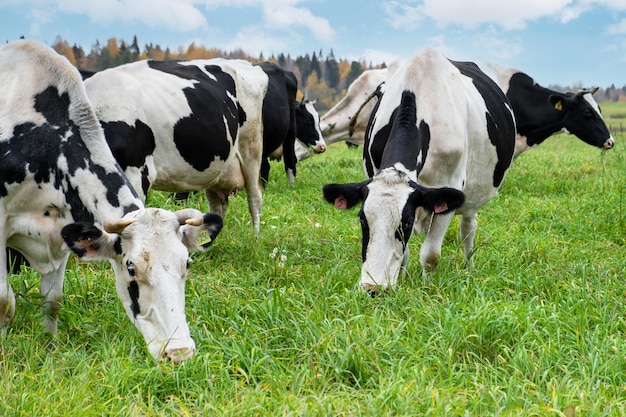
x: 588, y: 113
x: 131, y: 268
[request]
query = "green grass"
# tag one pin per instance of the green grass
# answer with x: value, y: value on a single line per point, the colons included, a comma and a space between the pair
x: 537, y: 325
x: 615, y: 115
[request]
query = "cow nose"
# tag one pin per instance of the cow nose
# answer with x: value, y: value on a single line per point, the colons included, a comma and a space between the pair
x: 609, y: 143
x: 373, y: 290
x: 320, y: 149
x: 179, y: 354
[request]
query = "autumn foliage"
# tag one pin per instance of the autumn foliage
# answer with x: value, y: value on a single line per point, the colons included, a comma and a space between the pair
x: 325, y: 80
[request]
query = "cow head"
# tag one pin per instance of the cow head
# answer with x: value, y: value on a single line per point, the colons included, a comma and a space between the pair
x: 149, y: 252
x: 582, y: 117
x: 308, y: 126
x: 390, y: 203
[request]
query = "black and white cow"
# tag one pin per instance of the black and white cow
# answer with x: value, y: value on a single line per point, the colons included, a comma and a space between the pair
x: 60, y: 186
x: 338, y: 123
x: 284, y: 119
x: 186, y: 125
x: 200, y: 125
x: 437, y: 126
x: 541, y: 112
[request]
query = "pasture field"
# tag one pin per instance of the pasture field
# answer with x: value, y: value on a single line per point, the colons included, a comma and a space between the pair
x: 615, y: 116
x: 535, y: 328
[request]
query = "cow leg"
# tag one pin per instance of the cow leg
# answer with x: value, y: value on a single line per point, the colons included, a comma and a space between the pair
x: 289, y: 158
x: 435, y: 230
x: 217, y: 204
x: 468, y: 231
x: 265, y: 171
x: 52, y: 292
x: 250, y: 157
x: 7, y: 297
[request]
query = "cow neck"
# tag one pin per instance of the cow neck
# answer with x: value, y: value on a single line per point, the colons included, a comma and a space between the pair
x: 541, y: 133
x: 524, y: 93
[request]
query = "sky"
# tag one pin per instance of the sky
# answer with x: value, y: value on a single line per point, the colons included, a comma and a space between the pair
x: 576, y: 43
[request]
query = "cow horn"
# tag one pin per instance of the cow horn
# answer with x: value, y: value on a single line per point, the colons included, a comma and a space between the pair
x: 197, y: 221
x: 584, y: 91
x: 190, y: 216
x: 116, y: 226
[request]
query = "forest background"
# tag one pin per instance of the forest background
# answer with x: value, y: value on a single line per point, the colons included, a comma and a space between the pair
x: 324, y: 78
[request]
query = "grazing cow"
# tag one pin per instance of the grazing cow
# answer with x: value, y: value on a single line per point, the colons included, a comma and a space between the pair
x: 60, y: 185
x: 436, y: 125
x: 284, y: 119
x: 186, y: 125
x: 337, y: 123
x: 541, y: 112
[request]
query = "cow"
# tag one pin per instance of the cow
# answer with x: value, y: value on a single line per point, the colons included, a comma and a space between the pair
x: 541, y: 112
x: 284, y: 119
x: 186, y: 125
x: 338, y: 123
x: 61, y: 191
x: 439, y: 128
x: 221, y: 120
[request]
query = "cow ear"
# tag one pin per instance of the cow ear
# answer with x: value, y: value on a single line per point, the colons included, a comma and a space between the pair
x: 90, y: 242
x: 560, y: 101
x: 201, y: 235
x: 344, y: 196
x: 439, y: 200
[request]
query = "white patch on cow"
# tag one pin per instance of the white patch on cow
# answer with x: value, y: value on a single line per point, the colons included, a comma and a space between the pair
x: 139, y: 99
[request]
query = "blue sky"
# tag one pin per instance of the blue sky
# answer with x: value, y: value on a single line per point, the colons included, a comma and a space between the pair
x: 566, y: 42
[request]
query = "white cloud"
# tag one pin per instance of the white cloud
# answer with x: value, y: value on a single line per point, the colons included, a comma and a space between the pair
x: 38, y: 18
x: 496, y: 47
x: 617, y: 28
x: 509, y: 15
x: 254, y: 41
x: 285, y: 14
x: 179, y: 16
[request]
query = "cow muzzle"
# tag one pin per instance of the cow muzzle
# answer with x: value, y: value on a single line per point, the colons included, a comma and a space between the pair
x: 178, y: 355
x: 374, y: 290
x: 319, y: 148
x: 609, y: 143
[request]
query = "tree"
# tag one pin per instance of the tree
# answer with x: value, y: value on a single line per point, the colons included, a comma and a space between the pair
x: 124, y: 55
x: 64, y: 48
x: 134, y: 49
x: 315, y: 66
x: 331, y: 71
x: 282, y: 61
x: 356, y: 69
x: 318, y: 90
x: 304, y: 65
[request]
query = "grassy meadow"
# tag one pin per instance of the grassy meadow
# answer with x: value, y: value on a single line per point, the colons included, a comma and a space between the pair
x: 535, y: 328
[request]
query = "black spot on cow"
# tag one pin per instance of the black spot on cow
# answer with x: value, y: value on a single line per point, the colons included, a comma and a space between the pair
x: 129, y: 152
x: 279, y: 117
x: 133, y: 291
x: 500, y: 121
x: 210, y: 103
x: 36, y: 149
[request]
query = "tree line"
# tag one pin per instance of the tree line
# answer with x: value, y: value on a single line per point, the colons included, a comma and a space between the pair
x: 324, y: 78
x: 320, y: 77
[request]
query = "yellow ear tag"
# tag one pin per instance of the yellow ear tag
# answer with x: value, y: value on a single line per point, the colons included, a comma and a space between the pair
x: 558, y: 105
x: 203, y: 238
